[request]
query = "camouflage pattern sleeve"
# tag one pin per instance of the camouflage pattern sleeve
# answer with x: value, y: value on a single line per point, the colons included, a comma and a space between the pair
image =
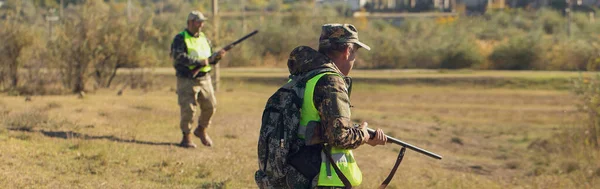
x: 332, y: 101
x: 179, y: 53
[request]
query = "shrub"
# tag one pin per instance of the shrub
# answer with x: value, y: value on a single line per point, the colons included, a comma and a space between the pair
x: 552, y: 21
x: 575, y: 54
x: 519, y: 53
x: 26, y: 121
x: 588, y: 91
x: 388, y: 51
x: 465, y: 54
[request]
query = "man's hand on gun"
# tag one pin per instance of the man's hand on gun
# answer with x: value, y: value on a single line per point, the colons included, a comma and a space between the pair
x: 378, y: 139
x: 217, y: 56
x: 202, y: 62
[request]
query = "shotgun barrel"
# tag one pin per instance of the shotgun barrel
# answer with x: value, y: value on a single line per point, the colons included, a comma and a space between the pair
x: 196, y: 70
x: 409, y: 146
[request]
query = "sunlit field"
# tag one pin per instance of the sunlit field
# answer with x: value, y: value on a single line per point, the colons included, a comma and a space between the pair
x: 494, y: 129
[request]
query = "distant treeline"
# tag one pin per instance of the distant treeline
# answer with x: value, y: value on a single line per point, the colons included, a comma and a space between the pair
x: 94, y: 38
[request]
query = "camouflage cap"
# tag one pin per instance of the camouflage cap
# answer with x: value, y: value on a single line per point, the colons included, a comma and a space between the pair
x: 196, y: 15
x: 339, y: 33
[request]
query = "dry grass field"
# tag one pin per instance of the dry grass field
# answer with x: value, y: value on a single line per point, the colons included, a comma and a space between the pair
x: 494, y: 130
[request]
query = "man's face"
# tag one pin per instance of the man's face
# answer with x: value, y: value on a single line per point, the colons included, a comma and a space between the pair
x: 195, y: 25
x: 352, y: 57
x: 349, y: 57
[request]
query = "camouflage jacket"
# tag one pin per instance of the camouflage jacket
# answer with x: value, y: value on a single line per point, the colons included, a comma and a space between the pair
x: 181, y: 57
x: 331, y: 98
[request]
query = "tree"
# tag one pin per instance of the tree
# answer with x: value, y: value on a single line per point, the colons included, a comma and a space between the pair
x: 96, y: 41
x: 118, y: 50
x: 15, y: 37
x: 78, y: 44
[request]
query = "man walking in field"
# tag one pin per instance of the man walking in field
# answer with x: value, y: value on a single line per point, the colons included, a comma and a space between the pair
x: 324, y: 123
x: 192, y: 50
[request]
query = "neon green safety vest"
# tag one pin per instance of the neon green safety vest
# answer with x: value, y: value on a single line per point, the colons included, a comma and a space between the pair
x: 343, y: 157
x: 197, y: 47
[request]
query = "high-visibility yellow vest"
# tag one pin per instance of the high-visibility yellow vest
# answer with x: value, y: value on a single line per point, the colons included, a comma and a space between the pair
x: 197, y: 47
x: 343, y: 157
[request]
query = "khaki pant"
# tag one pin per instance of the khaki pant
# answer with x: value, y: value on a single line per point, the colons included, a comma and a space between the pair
x: 192, y: 92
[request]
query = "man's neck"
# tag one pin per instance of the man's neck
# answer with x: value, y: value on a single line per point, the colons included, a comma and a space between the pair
x: 335, y: 60
x: 195, y: 34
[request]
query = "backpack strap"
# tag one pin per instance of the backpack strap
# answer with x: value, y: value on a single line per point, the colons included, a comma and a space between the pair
x: 327, y: 150
x: 303, y: 78
x: 298, y: 82
x: 393, y: 171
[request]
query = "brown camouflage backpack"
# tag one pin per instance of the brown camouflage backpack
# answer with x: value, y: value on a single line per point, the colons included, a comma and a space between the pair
x: 278, y: 138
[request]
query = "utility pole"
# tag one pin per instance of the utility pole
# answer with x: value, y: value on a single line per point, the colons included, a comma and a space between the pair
x: 61, y: 8
x: 569, y: 13
x: 51, y: 18
x: 453, y: 5
x: 215, y: 14
x: 128, y: 10
x: 243, y: 6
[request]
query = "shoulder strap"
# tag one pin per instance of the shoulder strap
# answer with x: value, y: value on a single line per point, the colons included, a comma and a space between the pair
x: 393, y: 171
x: 298, y: 82
x: 347, y: 185
x: 302, y: 78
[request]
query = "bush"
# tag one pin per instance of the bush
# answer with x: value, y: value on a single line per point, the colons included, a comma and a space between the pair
x: 139, y: 79
x: 463, y: 55
x: 428, y: 44
x: 519, y: 53
x: 3, y: 112
x: 588, y: 91
x: 388, y: 51
x: 552, y: 21
x: 573, y: 55
x: 26, y: 121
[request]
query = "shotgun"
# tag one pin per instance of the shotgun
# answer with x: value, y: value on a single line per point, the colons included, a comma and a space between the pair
x: 196, y: 70
x: 404, y: 144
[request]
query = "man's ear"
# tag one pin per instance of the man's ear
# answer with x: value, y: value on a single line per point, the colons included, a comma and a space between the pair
x: 347, y: 52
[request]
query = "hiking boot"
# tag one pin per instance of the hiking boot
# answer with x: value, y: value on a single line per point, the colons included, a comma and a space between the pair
x: 200, y: 132
x: 186, y: 142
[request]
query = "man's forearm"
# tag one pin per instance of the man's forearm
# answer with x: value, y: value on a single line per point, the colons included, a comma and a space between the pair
x: 332, y: 101
x: 186, y: 60
x: 340, y: 133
